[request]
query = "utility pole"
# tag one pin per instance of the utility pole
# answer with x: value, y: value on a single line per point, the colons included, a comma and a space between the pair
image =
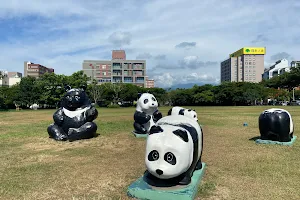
x: 293, y: 94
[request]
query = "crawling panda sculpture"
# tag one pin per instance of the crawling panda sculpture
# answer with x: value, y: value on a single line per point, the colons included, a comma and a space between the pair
x: 176, y: 110
x: 146, y: 113
x: 173, y: 150
x: 74, y: 119
x: 276, y: 124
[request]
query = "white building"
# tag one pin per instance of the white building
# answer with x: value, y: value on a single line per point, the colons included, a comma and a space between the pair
x: 10, y: 78
x: 278, y: 68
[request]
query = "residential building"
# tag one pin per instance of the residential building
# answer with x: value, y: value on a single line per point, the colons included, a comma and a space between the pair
x: 35, y: 70
x: 149, y: 82
x: 10, y: 78
x: 295, y: 64
x: 117, y: 70
x: 244, y: 65
x: 278, y: 68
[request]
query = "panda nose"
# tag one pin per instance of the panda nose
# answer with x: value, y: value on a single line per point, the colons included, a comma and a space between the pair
x: 159, y: 172
x: 152, y: 104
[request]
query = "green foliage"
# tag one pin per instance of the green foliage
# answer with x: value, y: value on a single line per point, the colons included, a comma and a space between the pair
x: 113, y: 106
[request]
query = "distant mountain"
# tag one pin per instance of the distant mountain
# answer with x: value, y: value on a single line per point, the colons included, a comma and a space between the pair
x: 186, y: 85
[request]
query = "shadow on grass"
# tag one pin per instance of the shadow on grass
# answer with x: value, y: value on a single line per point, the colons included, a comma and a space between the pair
x: 255, y: 138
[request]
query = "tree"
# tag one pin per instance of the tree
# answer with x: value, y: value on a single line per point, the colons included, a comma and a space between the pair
x: 115, y: 89
x: 95, y: 91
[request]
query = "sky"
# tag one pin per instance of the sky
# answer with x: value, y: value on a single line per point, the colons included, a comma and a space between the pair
x: 182, y: 41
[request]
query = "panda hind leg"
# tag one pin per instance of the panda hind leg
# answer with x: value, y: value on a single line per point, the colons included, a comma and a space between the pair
x: 57, y: 133
x: 198, y: 165
x: 186, y: 180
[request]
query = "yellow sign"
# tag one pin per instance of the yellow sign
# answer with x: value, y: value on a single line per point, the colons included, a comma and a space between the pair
x: 249, y: 50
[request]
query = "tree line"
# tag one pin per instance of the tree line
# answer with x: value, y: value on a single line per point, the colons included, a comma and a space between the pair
x: 49, y: 89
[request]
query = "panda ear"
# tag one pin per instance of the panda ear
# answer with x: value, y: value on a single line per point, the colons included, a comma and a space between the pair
x: 67, y: 88
x: 189, y: 110
x: 155, y: 129
x: 83, y: 87
x: 194, y: 110
x: 182, y: 134
x: 181, y: 112
x: 139, y: 95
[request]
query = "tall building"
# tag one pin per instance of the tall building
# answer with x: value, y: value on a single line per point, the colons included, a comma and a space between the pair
x: 246, y: 64
x: 278, y: 68
x: 35, y: 70
x: 149, y: 82
x: 117, y: 70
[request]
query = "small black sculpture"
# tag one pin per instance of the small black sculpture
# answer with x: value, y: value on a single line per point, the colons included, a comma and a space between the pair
x: 146, y: 114
x: 74, y: 119
x: 276, y: 124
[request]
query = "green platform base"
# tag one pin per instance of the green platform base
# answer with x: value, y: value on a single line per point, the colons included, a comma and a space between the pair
x: 260, y: 141
x: 142, y: 191
x: 139, y: 135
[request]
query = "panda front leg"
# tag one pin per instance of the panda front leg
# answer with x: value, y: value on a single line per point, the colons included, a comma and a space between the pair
x: 57, y: 133
x: 139, y: 128
x: 86, y: 131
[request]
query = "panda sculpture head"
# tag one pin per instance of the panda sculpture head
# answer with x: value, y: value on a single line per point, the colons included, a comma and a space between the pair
x: 167, y: 151
x: 191, y: 114
x: 146, y: 103
x: 75, y: 98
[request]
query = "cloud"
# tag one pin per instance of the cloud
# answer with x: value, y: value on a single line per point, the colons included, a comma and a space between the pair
x: 260, y: 39
x: 160, y: 57
x: 64, y: 33
x: 280, y: 56
x: 166, y: 80
x: 186, y: 45
x: 120, y: 38
x: 193, y: 62
x: 144, y: 56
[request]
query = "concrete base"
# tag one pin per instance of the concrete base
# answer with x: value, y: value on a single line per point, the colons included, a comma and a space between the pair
x: 139, y: 135
x: 260, y: 141
x: 143, y: 191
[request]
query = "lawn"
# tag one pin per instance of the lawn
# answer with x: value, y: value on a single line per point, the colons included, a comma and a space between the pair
x: 32, y: 166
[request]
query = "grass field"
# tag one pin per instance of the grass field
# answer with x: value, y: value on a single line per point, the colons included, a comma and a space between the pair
x: 32, y: 166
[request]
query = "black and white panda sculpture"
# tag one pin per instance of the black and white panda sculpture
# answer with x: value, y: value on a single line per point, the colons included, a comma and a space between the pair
x: 74, y: 119
x: 146, y: 113
x: 176, y: 110
x: 173, y: 150
x: 276, y: 124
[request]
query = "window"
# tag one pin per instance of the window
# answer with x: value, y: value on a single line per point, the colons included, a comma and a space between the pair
x: 249, y: 63
x: 253, y: 63
x: 246, y: 63
x: 103, y: 66
x: 104, y: 73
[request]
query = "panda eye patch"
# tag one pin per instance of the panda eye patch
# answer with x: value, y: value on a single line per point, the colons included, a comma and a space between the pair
x: 153, y: 99
x: 153, y: 155
x: 146, y: 101
x: 170, y: 158
x: 194, y: 116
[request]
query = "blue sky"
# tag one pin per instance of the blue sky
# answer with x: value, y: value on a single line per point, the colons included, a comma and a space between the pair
x: 182, y: 41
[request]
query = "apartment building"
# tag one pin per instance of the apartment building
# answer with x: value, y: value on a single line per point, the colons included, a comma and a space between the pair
x: 295, y: 63
x: 244, y: 65
x: 35, y: 70
x: 10, y: 78
x: 149, y: 82
x: 116, y: 70
x: 278, y: 68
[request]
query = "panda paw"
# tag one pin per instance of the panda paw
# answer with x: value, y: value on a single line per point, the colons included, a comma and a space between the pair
x: 185, y: 181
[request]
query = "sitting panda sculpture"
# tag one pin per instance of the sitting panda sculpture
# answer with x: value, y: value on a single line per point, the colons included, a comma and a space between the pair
x: 74, y: 119
x: 276, y: 124
x: 176, y: 110
x: 173, y: 151
x: 146, y: 113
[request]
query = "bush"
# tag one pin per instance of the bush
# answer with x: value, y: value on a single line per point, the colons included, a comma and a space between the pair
x: 113, y: 106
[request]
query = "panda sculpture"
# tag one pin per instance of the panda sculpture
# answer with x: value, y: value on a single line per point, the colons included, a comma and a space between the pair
x: 173, y: 150
x: 146, y: 113
x: 74, y: 119
x: 176, y: 110
x: 276, y: 124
